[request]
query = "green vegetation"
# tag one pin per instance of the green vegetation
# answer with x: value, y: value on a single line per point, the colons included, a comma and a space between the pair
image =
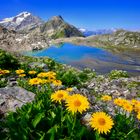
x: 116, y: 74
x: 7, y: 61
x: 59, y: 34
x: 58, y: 113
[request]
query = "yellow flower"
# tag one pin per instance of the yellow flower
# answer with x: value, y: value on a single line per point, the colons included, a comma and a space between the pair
x: 69, y: 89
x: 6, y: 71
x: 101, y: 122
x: 57, y: 82
x: 128, y: 107
x: 124, y: 102
x: 42, y: 74
x: 35, y: 81
x: 77, y: 103
x: 106, y: 98
x: 138, y: 116
x: 51, y: 73
x: 20, y: 71
x: 135, y: 102
x: 118, y: 101
x: 2, y: 72
x: 137, y: 108
x: 22, y: 75
x: 59, y: 95
x: 51, y: 76
x: 44, y: 81
x: 32, y: 72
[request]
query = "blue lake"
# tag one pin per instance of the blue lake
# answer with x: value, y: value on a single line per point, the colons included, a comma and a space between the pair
x: 96, y: 58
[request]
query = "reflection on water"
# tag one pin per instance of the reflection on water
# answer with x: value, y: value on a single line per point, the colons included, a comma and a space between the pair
x: 96, y: 58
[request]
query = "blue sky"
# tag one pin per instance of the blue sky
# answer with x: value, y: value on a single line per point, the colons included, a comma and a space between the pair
x: 90, y: 14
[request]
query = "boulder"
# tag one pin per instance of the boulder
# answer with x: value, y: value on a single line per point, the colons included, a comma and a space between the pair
x: 13, y: 97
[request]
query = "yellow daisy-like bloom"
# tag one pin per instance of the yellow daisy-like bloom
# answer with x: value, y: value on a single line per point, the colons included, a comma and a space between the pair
x: 51, y: 73
x: 138, y: 116
x: 69, y: 89
x: 118, y: 101
x: 35, y: 81
x: 20, y: 71
x: 136, y: 108
x: 124, y: 102
x: 6, y: 71
x: 2, y: 72
x: 32, y: 72
x: 42, y: 74
x: 22, y: 75
x: 77, y: 103
x: 128, y: 107
x: 57, y: 82
x: 101, y: 122
x: 106, y: 98
x: 133, y: 101
x: 44, y: 81
x: 59, y: 95
x: 51, y: 78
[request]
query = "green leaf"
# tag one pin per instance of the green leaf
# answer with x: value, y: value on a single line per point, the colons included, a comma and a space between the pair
x: 37, y: 119
x: 52, y: 131
x: 53, y: 115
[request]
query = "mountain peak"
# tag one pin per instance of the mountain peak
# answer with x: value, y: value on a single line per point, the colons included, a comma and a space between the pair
x: 59, y: 17
x: 24, y: 14
x: 21, y: 21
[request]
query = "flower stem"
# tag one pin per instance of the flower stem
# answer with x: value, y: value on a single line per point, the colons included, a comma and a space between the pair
x: 130, y: 132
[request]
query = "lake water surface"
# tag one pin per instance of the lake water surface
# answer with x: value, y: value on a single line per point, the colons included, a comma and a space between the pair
x: 99, y: 59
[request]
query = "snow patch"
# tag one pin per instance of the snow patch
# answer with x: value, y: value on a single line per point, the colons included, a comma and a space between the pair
x: 24, y: 14
x: 7, y: 20
x: 82, y: 29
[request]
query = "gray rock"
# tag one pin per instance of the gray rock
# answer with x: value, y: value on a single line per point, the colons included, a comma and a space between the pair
x: 91, y: 86
x: 38, y: 65
x: 13, y: 97
x: 84, y: 91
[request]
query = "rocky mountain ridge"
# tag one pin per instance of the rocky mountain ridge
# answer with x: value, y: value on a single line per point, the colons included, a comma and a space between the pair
x: 31, y: 33
x: 24, y: 21
x: 35, y: 38
x: 120, y: 38
x: 56, y: 27
x: 87, y: 32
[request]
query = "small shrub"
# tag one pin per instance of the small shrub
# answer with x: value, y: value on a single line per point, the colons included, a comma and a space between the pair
x: 69, y: 78
x: 115, y: 74
x: 3, y: 82
x: 7, y: 61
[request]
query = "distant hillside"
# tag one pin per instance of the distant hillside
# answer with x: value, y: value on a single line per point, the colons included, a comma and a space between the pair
x: 96, y: 32
x: 120, y: 38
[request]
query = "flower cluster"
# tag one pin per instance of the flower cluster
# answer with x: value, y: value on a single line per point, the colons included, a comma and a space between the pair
x: 127, y: 105
x: 74, y: 103
x: 32, y: 72
x: 21, y: 73
x: 3, y: 72
x: 43, y: 78
x: 99, y: 121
